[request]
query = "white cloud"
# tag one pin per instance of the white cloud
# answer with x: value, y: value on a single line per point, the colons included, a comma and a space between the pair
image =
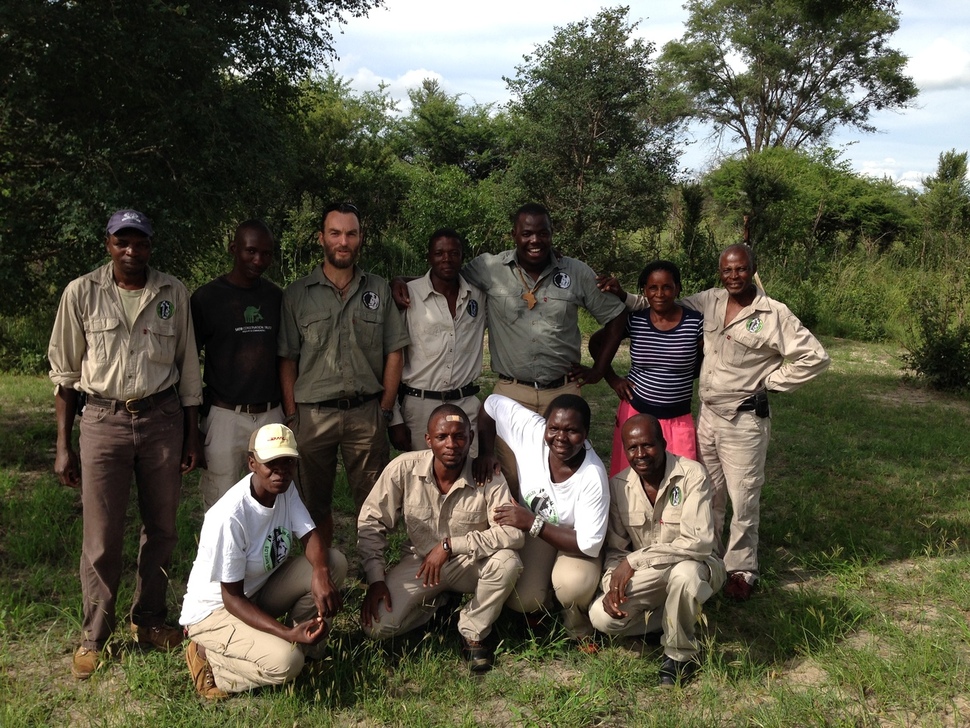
x: 940, y: 65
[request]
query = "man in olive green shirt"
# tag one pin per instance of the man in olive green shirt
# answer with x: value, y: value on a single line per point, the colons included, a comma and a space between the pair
x: 340, y: 348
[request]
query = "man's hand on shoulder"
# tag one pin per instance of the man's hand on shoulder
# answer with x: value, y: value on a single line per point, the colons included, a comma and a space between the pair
x: 400, y: 293
x: 610, y: 284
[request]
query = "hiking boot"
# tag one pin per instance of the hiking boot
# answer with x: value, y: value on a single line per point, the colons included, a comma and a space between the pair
x: 673, y: 672
x: 161, y: 637
x: 202, y: 677
x: 737, y: 587
x: 85, y: 662
x: 477, y: 656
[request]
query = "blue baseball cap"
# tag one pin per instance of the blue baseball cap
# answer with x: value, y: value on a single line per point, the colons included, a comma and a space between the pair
x: 130, y: 219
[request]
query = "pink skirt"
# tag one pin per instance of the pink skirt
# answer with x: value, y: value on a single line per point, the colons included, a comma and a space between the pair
x: 679, y: 433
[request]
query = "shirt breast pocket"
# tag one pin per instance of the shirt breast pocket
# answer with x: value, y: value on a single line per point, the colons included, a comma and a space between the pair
x: 420, y: 522
x: 368, y: 328
x: 315, y: 328
x: 102, y: 336
x: 465, y: 521
x: 744, y: 346
x: 634, y: 521
x: 427, y: 336
x: 161, y: 342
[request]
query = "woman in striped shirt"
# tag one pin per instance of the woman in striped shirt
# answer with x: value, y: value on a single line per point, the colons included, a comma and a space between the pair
x: 666, y: 346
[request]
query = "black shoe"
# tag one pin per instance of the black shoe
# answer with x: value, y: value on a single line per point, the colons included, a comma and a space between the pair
x: 478, y: 657
x: 673, y: 672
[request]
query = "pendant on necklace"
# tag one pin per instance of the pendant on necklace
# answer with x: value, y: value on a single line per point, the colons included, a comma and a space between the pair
x: 530, y: 299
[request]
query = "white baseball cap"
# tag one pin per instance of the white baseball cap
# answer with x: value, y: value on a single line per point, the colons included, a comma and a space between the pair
x: 273, y: 441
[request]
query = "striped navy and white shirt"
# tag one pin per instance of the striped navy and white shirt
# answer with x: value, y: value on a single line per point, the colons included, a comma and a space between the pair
x: 663, y: 363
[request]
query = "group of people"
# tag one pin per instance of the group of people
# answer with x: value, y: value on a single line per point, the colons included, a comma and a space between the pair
x: 504, y: 500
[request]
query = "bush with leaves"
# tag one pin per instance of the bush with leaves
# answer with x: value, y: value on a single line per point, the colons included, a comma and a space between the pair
x: 940, y: 354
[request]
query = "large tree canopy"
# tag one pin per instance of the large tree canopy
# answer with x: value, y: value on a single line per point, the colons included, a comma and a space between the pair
x: 585, y: 143
x: 788, y: 72
x: 181, y: 109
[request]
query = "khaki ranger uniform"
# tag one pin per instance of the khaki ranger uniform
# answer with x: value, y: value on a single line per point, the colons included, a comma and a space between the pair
x: 485, y: 560
x: 444, y: 359
x: 670, y: 545
x: 137, y: 378
x: 765, y: 348
x: 532, y: 349
x: 341, y: 346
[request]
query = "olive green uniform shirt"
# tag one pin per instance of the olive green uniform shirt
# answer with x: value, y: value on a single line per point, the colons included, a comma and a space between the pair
x: 340, y: 344
x: 541, y: 344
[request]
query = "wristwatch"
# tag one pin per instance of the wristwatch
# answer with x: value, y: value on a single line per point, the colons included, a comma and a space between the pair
x: 446, y: 545
x: 388, y: 415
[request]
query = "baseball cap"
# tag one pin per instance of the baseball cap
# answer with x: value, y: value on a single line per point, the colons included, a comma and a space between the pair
x: 130, y: 219
x: 273, y: 441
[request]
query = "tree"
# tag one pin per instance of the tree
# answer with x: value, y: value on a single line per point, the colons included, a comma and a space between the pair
x: 775, y: 73
x: 584, y: 138
x: 945, y: 206
x: 440, y: 131
x: 182, y: 110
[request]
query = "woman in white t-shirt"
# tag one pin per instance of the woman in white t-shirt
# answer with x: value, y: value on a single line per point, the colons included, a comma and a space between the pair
x: 563, y: 504
x: 243, y: 579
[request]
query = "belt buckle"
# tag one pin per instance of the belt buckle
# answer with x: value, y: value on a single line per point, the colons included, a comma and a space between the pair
x: 344, y: 403
x: 128, y: 406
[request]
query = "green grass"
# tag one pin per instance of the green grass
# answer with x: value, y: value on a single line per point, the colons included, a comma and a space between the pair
x: 861, y: 619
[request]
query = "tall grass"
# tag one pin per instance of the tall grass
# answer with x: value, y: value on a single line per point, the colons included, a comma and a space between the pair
x: 861, y: 618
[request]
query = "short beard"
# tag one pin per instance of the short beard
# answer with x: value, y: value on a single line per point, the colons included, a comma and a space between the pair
x: 342, y: 265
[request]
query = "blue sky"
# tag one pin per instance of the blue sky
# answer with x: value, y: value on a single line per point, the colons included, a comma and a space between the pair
x: 469, y: 47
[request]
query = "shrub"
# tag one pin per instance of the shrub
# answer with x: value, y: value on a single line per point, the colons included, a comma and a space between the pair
x: 940, y: 353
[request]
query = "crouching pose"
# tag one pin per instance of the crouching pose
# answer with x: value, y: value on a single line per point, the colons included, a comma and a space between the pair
x: 661, y: 564
x: 243, y: 580
x: 563, y: 505
x: 454, y: 543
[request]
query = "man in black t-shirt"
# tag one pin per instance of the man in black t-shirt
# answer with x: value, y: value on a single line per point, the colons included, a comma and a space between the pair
x: 236, y: 319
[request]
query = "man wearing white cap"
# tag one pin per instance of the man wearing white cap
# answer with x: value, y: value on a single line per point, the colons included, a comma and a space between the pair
x: 243, y: 580
x: 123, y: 351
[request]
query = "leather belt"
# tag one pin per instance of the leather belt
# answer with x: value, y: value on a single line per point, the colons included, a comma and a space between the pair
x: 445, y: 396
x: 134, y: 406
x: 535, y: 385
x: 346, y: 403
x: 249, y: 409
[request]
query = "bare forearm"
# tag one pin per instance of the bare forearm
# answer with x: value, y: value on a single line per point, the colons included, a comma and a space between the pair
x: 65, y: 408
x: 393, y: 366
x: 288, y: 370
x: 563, y: 538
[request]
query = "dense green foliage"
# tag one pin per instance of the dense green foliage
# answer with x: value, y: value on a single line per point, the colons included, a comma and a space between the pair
x: 202, y: 117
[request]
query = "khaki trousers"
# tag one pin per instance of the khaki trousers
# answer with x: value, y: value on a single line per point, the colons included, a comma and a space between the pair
x: 489, y: 581
x: 734, y: 451
x: 536, y: 400
x: 227, y: 434
x: 358, y: 434
x: 243, y: 657
x: 664, y: 597
x: 547, y: 571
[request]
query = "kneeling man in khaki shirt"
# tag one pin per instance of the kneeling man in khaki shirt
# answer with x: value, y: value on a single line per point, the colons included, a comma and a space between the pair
x: 454, y: 544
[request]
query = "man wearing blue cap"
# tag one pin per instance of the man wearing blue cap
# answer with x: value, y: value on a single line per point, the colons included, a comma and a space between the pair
x: 123, y: 341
